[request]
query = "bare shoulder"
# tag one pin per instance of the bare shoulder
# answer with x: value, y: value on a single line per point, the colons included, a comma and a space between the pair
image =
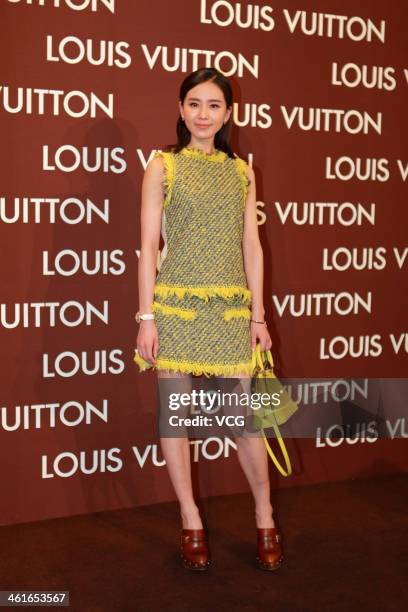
x: 156, y: 165
x: 153, y: 179
x: 155, y: 173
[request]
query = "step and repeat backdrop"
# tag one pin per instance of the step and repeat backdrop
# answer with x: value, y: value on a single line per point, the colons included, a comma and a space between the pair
x: 88, y: 92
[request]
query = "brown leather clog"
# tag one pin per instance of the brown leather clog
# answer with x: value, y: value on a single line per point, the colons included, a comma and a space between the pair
x: 194, y: 549
x: 269, y: 548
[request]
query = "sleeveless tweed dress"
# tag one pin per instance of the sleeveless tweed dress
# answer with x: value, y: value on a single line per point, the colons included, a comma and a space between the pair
x: 201, y: 298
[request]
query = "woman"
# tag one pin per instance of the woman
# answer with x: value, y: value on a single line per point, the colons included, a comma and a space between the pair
x: 194, y: 317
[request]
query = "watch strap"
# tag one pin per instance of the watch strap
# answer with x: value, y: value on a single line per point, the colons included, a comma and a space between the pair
x: 144, y: 317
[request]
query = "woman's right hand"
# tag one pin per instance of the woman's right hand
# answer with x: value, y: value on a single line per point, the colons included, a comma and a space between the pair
x: 147, y: 342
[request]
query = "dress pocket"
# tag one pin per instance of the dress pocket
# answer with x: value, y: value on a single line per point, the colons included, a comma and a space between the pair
x: 183, y: 313
x: 234, y: 313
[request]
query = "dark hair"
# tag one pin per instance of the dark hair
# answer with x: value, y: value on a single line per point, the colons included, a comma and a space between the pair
x: 221, y: 139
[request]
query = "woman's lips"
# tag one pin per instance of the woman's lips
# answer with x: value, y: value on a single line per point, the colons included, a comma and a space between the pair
x: 202, y: 125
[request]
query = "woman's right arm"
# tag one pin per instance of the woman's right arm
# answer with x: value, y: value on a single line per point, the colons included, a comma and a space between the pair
x: 147, y: 342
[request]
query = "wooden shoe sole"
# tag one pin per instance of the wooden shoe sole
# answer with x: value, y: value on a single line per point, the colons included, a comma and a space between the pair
x: 269, y: 567
x: 200, y: 567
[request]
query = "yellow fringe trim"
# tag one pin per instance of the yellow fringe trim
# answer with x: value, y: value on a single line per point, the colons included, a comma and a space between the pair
x: 242, y: 168
x: 183, y: 313
x: 255, y: 367
x: 168, y: 175
x: 195, y: 152
x: 204, y: 292
x: 237, y: 312
x: 198, y: 369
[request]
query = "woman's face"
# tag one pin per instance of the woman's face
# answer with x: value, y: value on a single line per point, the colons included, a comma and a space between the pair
x: 204, y: 111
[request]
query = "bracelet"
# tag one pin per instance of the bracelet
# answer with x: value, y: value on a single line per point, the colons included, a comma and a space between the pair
x: 143, y: 317
x: 253, y: 321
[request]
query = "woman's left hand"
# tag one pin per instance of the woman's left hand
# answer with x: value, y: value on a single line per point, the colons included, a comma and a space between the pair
x: 259, y: 332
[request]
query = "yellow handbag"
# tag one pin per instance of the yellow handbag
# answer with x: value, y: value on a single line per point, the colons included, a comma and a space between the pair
x: 269, y: 415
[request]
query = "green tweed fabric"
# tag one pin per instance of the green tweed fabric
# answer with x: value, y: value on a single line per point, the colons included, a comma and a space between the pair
x: 204, y: 222
x: 203, y: 269
x: 208, y: 339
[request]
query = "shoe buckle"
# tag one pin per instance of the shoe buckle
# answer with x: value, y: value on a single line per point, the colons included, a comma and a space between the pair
x: 275, y: 538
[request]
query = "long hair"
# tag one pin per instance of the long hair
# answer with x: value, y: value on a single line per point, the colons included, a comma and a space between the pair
x: 222, y: 137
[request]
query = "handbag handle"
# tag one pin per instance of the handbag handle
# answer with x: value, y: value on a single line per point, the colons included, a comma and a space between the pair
x: 283, y: 449
x: 258, y: 361
x: 261, y: 358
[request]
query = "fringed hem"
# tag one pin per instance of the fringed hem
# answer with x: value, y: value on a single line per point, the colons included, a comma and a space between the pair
x: 183, y: 313
x: 198, y: 369
x: 204, y: 293
x: 168, y: 174
x: 237, y: 313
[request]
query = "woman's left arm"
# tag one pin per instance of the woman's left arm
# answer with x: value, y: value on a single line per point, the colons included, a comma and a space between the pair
x: 254, y: 269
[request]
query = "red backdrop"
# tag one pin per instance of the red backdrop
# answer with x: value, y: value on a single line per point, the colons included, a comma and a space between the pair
x: 89, y: 90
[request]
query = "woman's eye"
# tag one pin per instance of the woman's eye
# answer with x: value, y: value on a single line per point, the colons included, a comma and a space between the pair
x: 212, y: 105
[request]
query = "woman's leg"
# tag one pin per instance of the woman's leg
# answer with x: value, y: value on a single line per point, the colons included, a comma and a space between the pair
x: 253, y: 459
x: 176, y: 452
